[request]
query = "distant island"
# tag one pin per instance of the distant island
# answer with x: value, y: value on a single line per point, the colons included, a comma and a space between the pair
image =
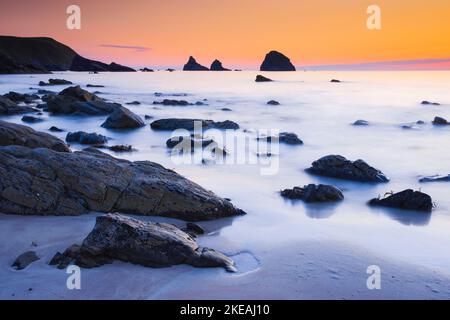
x: 43, y: 55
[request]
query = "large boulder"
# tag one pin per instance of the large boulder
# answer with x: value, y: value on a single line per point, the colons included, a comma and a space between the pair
x: 16, y: 134
x: 193, y: 65
x: 336, y: 166
x: 407, y: 200
x: 75, y: 100
x: 171, y: 124
x: 123, y: 118
x: 314, y: 193
x: 439, y: 121
x: 45, y: 182
x: 217, y: 66
x: 9, y: 107
x: 117, y: 237
x: 276, y: 61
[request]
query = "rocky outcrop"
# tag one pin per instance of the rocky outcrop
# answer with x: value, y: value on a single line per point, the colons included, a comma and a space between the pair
x: 217, y: 66
x: 24, y: 260
x: 55, y: 82
x: 193, y: 65
x: 9, y: 107
x: 16, y: 134
x: 86, y: 138
x: 276, y: 61
x: 75, y: 100
x: 436, y: 178
x: 314, y: 193
x: 122, y: 118
x: 46, y: 182
x: 336, y: 166
x: 157, y: 245
x: 260, y: 78
x: 42, y: 55
x: 438, y: 121
x: 171, y: 124
x: 407, y: 200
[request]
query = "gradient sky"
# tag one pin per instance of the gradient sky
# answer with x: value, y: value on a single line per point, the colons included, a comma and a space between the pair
x: 238, y: 32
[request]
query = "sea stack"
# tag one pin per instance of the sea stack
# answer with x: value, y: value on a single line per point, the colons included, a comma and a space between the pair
x: 217, y: 66
x: 193, y: 65
x: 276, y: 61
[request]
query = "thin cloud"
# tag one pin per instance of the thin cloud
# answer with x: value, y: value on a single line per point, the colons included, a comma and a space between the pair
x: 135, y: 48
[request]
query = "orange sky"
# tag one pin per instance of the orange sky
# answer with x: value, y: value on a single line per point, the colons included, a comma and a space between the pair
x: 238, y: 32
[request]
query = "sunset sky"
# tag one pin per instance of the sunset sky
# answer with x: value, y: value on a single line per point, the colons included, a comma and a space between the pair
x: 239, y: 32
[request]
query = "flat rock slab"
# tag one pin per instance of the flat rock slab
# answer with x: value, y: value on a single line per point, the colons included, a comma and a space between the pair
x: 117, y: 237
x: 46, y: 182
x: 16, y: 134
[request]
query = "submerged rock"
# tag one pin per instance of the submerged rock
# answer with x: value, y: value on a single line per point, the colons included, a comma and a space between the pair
x: 31, y: 119
x: 407, y: 200
x: 150, y: 244
x: 193, y: 65
x: 276, y: 61
x: 438, y: 121
x: 24, y: 260
x: 55, y: 129
x: 188, y: 124
x: 133, y: 103
x: 172, y: 102
x: 217, y: 66
x: 284, y: 137
x: 86, y: 138
x: 361, y: 123
x: 273, y: 103
x: 260, y: 78
x: 94, y: 86
x: 314, y: 193
x: 45, y: 182
x: 9, y: 107
x: 123, y: 118
x: 336, y: 166
x: 75, y: 100
x: 147, y: 70
x: 436, y: 178
x: 188, y: 142
x: 16, y: 134
x: 21, y: 97
x: 430, y: 103
x: 54, y: 82
x: 335, y: 81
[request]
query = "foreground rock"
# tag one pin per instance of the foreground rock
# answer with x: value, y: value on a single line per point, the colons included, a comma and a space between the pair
x: 276, y: 61
x: 260, y: 78
x: 336, y: 166
x: 42, y: 55
x: 123, y: 118
x: 45, y: 182
x: 438, y: 121
x: 193, y: 65
x: 314, y: 193
x: 24, y: 260
x: 9, y: 107
x: 189, y: 124
x: 407, y: 200
x: 75, y: 100
x: 188, y: 142
x: 436, y: 178
x: 16, y: 134
x: 54, y: 82
x: 217, y: 66
x: 86, y: 138
x: 21, y: 97
x: 157, y: 245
